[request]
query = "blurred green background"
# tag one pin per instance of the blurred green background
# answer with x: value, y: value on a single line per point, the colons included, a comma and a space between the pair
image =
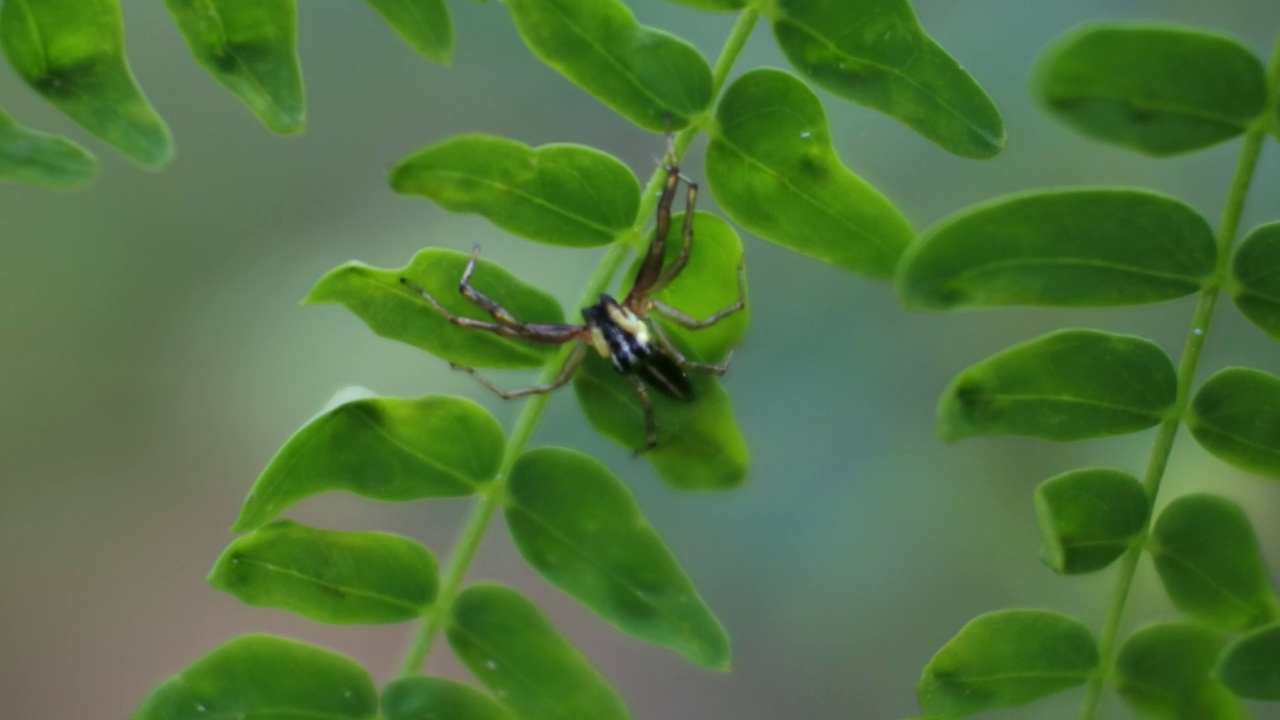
x: 153, y: 357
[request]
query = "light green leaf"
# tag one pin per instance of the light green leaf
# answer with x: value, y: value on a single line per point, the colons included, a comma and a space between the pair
x: 1250, y: 666
x: 1255, y: 278
x: 578, y: 525
x: 714, y: 5
x: 424, y: 24
x: 1007, y: 659
x: 1158, y: 90
x: 509, y: 645
x: 384, y: 449
x: 72, y: 53
x: 875, y: 53
x: 556, y: 194
x: 1067, y: 385
x: 774, y: 171
x: 1165, y: 671
x: 432, y: 698
x: 1088, y: 518
x: 1061, y: 247
x: 261, y: 677
x: 30, y: 156
x: 393, y: 310
x: 648, y: 76
x: 1236, y: 417
x: 1208, y: 559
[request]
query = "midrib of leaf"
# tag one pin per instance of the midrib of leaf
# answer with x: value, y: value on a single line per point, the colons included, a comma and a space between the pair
x: 1157, y: 107
x: 515, y: 190
x: 364, y: 415
x: 356, y: 592
x: 996, y: 266
x: 1069, y: 400
x: 1270, y: 452
x: 1243, y: 603
x: 608, y: 57
x: 534, y: 688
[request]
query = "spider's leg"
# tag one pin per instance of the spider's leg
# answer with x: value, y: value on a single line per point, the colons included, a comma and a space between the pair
x: 495, y: 328
x: 566, y: 372
x: 650, y: 421
x: 685, y: 321
x: 685, y: 363
x: 651, y: 268
x: 479, y: 299
x: 686, y: 240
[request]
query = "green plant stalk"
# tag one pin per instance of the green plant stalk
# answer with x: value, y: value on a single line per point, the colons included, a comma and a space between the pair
x: 473, y: 532
x: 1168, y: 431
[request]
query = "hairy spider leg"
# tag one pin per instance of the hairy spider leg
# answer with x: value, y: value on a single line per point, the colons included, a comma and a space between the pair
x: 651, y: 269
x: 566, y: 372
x: 686, y: 240
x: 690, y: 323
x: 650, y: 420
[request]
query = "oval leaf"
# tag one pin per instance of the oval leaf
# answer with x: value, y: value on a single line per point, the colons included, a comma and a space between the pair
x: 619, y: 568
x: 1250, y: 667
x: 261, y: 677
x: 1067, y: 385
x: 1006, y: 659
x: 72, y: 53
x: 510, y: 646
x: 345, y: 578
x: 432, y: 698
x: 381, y: 448
x: 1089, y: 247
x: 30, y: 156
x: 1165, y: 671
x: 557, y: 194
x: 1158, y: 90
x: 251, y: 48
x: 1207, y: 556
x: 876, y: 54
x: 1236, y: 417
x: 1088, y: 518
x: 393, y: 310
x: 1255, y: 278
x: 648, y: 76
x: 424, y: 24
x: 773, y: 169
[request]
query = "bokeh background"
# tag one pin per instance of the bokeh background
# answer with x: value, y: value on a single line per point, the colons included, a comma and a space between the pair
x: 153, y: 357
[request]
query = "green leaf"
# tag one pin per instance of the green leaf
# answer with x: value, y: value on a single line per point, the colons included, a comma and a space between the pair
x: 619, y: 566
x: 1067, y: 385
x: 773, y: 169
x: 432, y: 698
x: 509, y: 645
x: 1088, y: 518
x: 567, y: 195
x: 1255, y: 278
x: 381, y: 448
x: 1165, y: 671
x: 1208, y: 559
x: 251, y: 48
x: 344, y: 578
x: 1236, y: 417
x: 1250, y: 666
x: 395, y: 311
x: 714, y: 5
x: 1158, y: 90
x: 72, y: 53
x: 424, y: 24
x: 261, y: 677
x: 1006, y: 659
x: 1091, y: 247
x: 876, y: 54
x: 30, y: 156
x: 648, y: 76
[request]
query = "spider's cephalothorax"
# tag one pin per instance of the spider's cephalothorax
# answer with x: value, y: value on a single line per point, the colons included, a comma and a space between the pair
x: 626, y: 341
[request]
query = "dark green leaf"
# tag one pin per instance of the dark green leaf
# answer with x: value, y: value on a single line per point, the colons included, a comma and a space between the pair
x: 714, y: 5
x: 30, y: 156
x: 1236, y: 416
x: 1207, y: 556
x: 1067, y: 385
x: 1250, y: 666
x: 1165, y: 671
x: 381, y: 448
x: 1061, y: 247
x: 394, y: 311
x: 1006, y: 659
x: 424, y: 24
x: 618, y: 566
x: 261, y: 677
x: 1158, y: 90
x: 773, y: 169
x: 875, y: 53
x: 344, y: 578
x: 432, y: 698
x: 1088, y: 518
x: 1255, y: 278
x: 648, y: 76
x: 511, y: 647
x: 557, y: 194
x: 72, y: 53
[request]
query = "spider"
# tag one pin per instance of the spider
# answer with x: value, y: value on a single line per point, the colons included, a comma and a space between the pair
x: 620, y: 331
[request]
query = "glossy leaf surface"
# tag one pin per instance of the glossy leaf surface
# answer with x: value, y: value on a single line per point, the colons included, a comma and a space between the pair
x: 774, y: 171
x: 1208, y: 559
x: 261, y: 677
x: 875, y: 53
x: 578, y: 525
x: 1250, y: 667
x: 424, y: 24
x: 394, y: 311
x: 509, y: 645
x: 345, y: 578
x: 1088, y: 518
x: 557, y: 194
x: 384, y: 449
x: 1236, y: 416
x: 1067, y: 385
x: 644, y: 74
x: 1061, y: 247
x: 1166, y: 671
x: 1158, y: 90
x: 1255, y: 278
x: 72, y: 53
x: 38, y: 158
x: 433, y: 698
x: 1006, y: 659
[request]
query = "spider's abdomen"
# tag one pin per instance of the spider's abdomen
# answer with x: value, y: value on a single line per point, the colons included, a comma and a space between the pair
x: 623, y: 338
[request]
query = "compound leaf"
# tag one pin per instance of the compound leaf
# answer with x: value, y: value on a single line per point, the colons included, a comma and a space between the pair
x: 1236, y: 416
x: 1166, y: 671
x: 1255, y: 278
x: 30, y: 156
x: 424, y: 24
x: 433, y: 698
x: 1250, y: 666
x: 1088, y: 518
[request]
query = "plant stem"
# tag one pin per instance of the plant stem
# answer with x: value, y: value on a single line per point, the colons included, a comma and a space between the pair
x: 1168, y: 431
x: 487, y: 504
